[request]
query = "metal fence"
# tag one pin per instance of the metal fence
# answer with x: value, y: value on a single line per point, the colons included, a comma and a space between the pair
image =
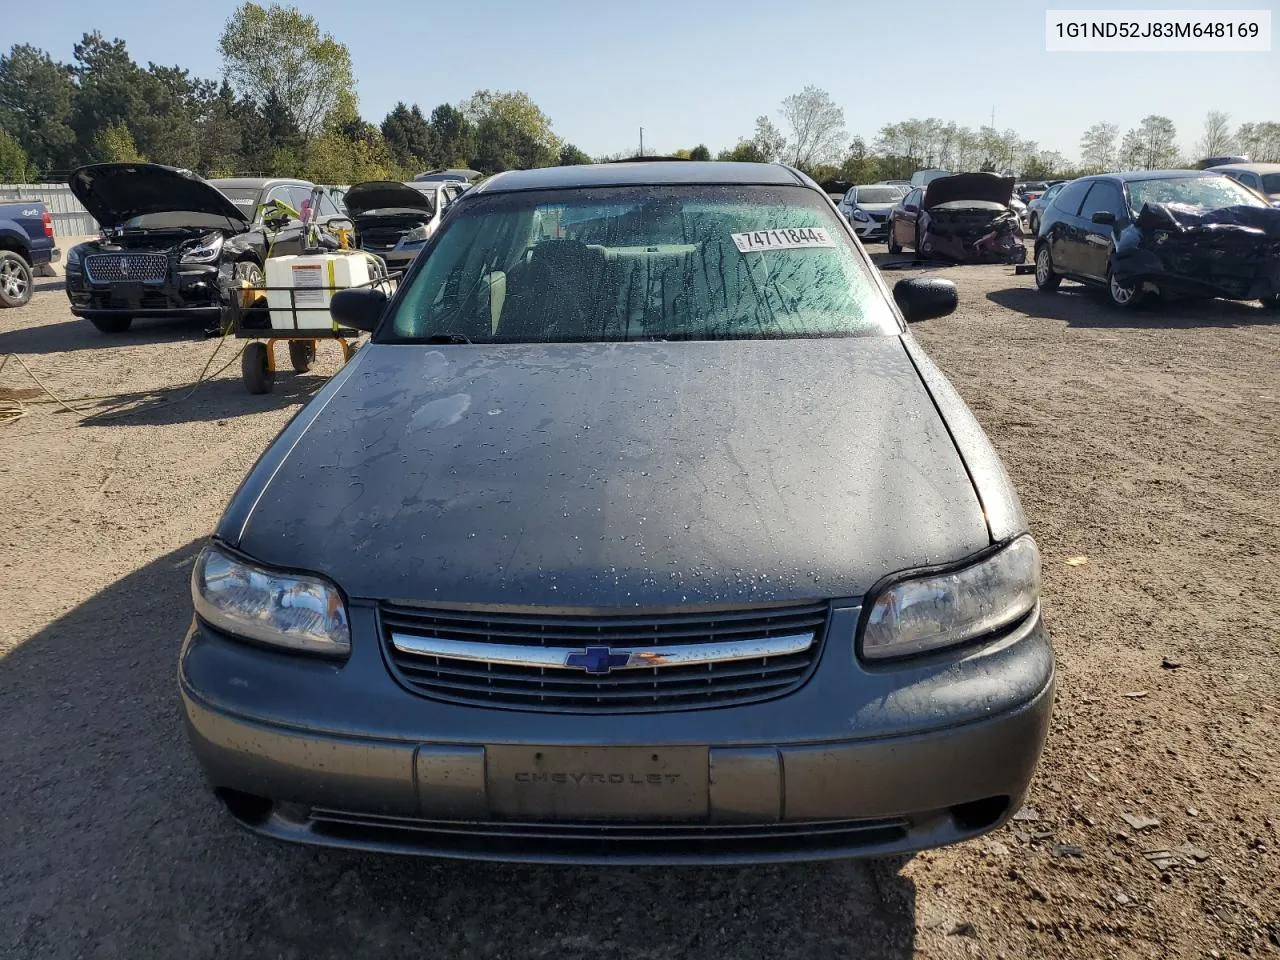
x: 70, y: 219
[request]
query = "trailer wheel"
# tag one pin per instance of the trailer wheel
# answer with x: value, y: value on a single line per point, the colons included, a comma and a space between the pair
x: 255, y: 369
x: 302, y: 354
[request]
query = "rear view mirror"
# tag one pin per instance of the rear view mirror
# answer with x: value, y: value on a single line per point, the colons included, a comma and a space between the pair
x: 925, y: 298
x: 1104, y: 217
x: 360, y: 308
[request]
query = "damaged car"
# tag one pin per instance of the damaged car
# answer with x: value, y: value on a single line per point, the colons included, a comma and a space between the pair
x: 965, y: 218
x: 1173, y: 233
x: 395, y: 220
x: 171, y: 242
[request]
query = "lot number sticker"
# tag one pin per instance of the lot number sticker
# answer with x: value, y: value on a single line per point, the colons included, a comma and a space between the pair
x: 792, y: 238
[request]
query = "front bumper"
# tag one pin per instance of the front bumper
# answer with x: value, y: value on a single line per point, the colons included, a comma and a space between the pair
x: 870, y: 230
x: 367, y: 765
x: 192, y: 291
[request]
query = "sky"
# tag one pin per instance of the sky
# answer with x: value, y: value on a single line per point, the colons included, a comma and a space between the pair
x: 701, y: 71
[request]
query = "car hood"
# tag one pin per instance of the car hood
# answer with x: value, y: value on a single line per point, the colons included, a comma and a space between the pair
x: 385, y: 195
x: 116, y: 192
x: 606, y: 475
x: 969, y: 186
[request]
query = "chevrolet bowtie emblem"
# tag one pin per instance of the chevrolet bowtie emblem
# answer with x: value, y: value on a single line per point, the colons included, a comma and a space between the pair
x: 597, y: 659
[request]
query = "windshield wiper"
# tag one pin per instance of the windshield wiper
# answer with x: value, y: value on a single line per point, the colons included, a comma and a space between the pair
x: 447, y: 338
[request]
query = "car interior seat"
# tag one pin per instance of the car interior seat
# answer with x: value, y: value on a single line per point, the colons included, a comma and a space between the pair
x: 553, y: 294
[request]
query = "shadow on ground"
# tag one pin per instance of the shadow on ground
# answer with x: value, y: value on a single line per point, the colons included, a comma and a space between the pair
x: 222, y: 398
x: 1081, y: 306
x: 77, y: 334
x: 112, y: 846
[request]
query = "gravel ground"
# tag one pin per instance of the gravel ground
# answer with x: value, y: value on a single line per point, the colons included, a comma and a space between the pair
x: 1144, y: 448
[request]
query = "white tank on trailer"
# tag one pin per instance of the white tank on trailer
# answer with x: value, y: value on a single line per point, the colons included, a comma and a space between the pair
x: 314, y: 277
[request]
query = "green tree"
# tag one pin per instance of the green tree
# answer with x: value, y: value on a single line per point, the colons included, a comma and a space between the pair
x: 1098, y: 147
x: 408, y: 136
x: 1217, y: 139
x: 452, y: 137
x: 746, y: 151
x: 512, y: 133
x: 218, y: 135
x: 859, y: 166
x: 14, y: 166
x: 114, y: 144
x: 700, y: 152
x: 769, y: 140
x: 36, y: 96
x: 1153, y: 145
x: 571, y: 156
x: 279, y: 52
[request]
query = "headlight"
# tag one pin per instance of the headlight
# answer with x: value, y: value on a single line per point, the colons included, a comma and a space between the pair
x: 860, y: 214
x: 416, y: 235
x: 941, y: 610
x: 206, y: 251
x: 297, y: 611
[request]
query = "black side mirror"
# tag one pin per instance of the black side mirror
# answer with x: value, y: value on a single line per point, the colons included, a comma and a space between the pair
x: 1104, y: 217
x: 924, y: 298
x: 910, y: 208
x: 360, y: 308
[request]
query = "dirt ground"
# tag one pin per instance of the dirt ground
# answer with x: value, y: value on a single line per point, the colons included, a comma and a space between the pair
x: 1145, y: 450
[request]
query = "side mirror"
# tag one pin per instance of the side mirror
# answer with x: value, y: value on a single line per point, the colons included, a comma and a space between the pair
x: 910, y: 208
x: 924, y: 298
x: 1104, y: 217
x: 360, y: 308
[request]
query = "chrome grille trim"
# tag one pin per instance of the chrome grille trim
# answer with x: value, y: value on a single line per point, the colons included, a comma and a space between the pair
x: 688, y: 654
x: 111, y: 267
x: 684, y: 661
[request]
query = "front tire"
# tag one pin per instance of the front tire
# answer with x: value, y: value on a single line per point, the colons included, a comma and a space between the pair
x: 1123, y: 296
x: 112, y: 324
x: 250, y: 272
x: 15, y: 279
x: 1046, y: 279
x: 255, y: 370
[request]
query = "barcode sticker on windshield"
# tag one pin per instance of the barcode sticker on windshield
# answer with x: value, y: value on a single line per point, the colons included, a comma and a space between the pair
x: 792, y: 238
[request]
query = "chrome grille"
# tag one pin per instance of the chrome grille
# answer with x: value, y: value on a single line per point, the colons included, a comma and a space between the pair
x: 519, y: 661
x: 133, y: 267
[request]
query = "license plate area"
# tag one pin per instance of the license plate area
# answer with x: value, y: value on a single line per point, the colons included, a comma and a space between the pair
x: 597, y: 783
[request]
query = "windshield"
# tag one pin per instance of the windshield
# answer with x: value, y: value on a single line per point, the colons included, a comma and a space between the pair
x: 1209, y: 193
x: 878, y: 195
x: 643, y: 263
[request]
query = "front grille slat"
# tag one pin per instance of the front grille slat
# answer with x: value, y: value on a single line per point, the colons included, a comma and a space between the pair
x: 132, y: 267
x: 454, y: 673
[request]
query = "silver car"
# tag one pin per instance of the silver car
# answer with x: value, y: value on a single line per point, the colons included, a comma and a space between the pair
x: 867, y: 207
x: 642, y: 531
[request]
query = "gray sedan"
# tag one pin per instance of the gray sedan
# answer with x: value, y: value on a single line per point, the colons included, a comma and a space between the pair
x: 642, y: 531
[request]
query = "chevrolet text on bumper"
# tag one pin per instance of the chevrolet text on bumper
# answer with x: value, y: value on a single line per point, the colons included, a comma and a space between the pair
x: 552, y: 571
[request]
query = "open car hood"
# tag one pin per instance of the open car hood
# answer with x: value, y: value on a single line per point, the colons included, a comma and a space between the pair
x: 969, y: 186
x: 116, y: 192
x: 385, y: 195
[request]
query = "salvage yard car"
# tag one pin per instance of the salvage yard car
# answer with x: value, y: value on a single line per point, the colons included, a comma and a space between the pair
x: 171, y: 242
x: 867, y: 209
x: 642, y: 530
x: 964, y: 218
x: 395, y: 220
x: 1172, y: 232
x: 1263, y: 178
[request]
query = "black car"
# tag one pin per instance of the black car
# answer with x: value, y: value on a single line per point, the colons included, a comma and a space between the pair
x: 171, y: 241
x: 1182, y: 232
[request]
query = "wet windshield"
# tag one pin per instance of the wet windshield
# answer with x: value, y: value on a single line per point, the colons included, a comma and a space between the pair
x: 651, y: 263
x: 1208, y: 193
x: 878, y: 195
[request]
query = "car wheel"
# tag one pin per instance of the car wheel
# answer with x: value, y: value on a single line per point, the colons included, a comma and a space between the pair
x: 1033, y: 225
x: 1046, y: 279
x: 112, y: 324
x: 916, y: 245
x: 890, y: 242
x: 302, y: 354
x: 15, y: 280
x: 1271, y: 303
x: 255, y: 369
x: 249, y: 272
x: 1126, y: 296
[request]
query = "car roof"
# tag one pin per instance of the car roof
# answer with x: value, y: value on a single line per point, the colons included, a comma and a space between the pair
x: 1131, y: 176
x: 1246, y: 167
x: 642, y: 173
x: 258, y: 183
